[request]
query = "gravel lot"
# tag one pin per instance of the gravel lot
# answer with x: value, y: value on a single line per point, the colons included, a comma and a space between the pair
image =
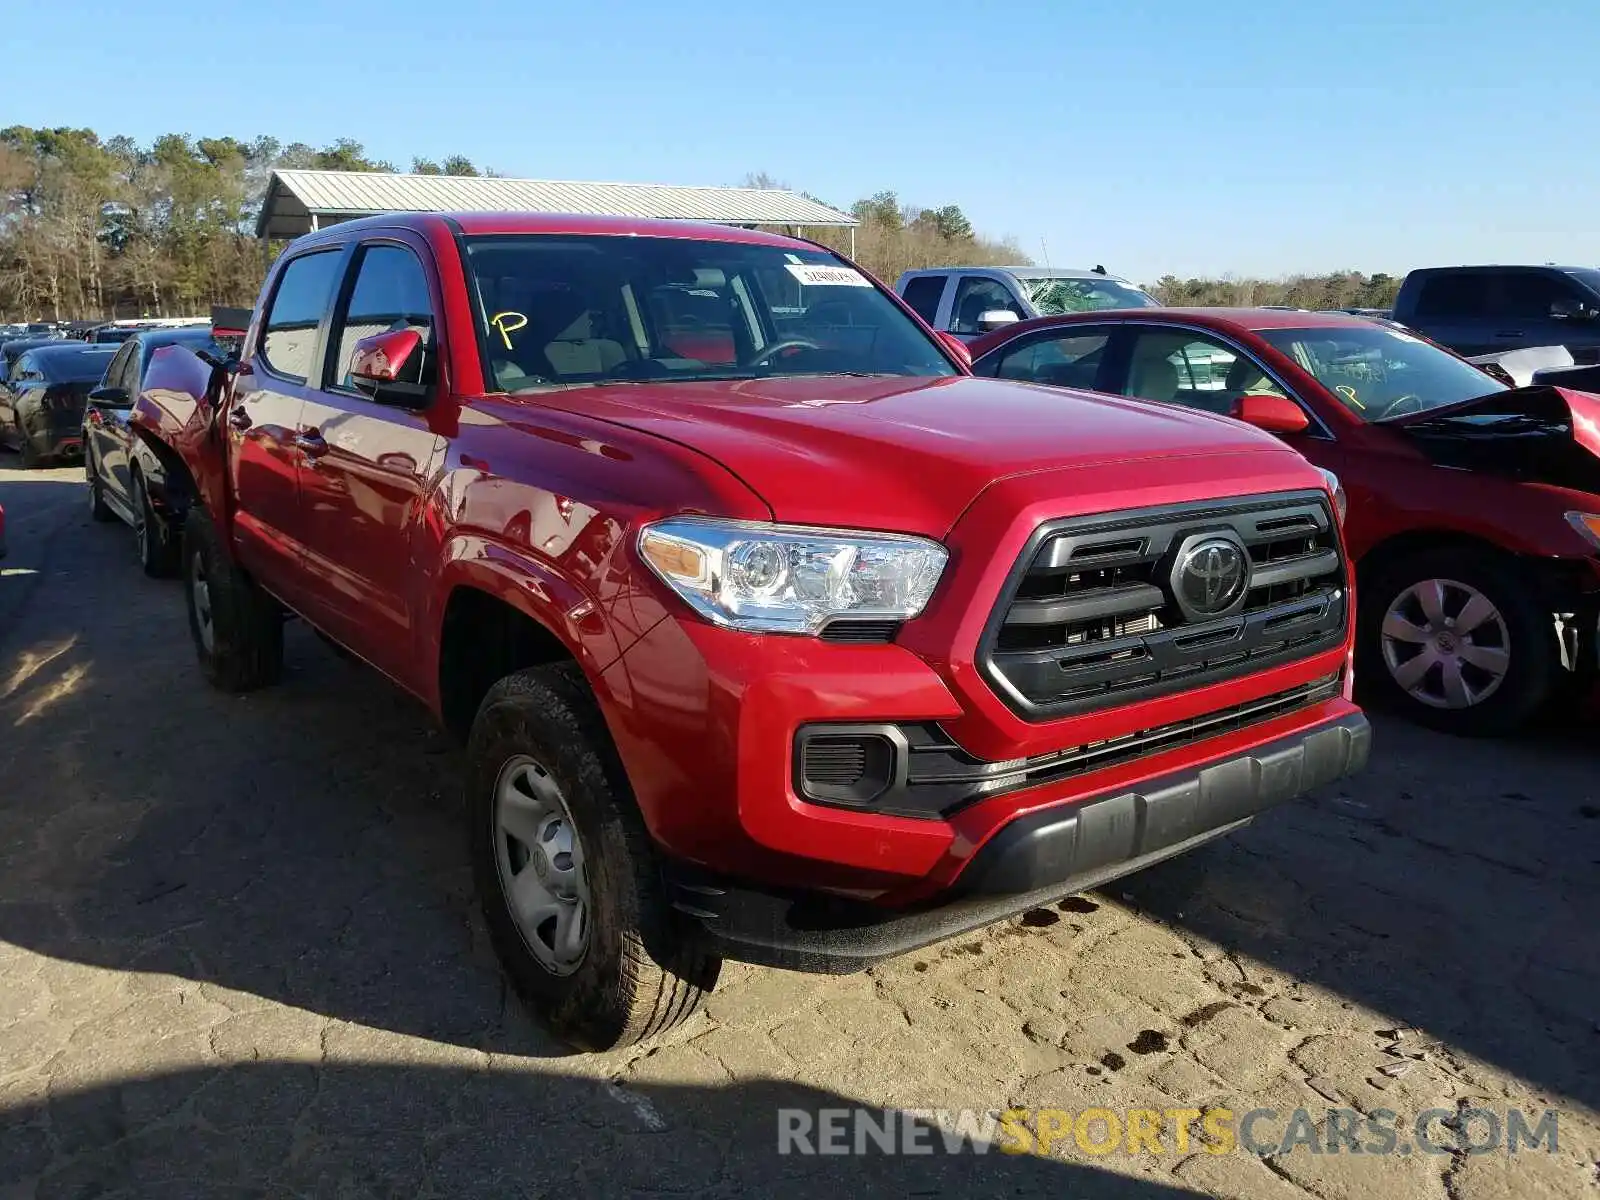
x: 239, y: 956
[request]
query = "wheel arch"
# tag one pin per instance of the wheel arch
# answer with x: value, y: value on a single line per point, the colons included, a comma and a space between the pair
x: 498, y: 613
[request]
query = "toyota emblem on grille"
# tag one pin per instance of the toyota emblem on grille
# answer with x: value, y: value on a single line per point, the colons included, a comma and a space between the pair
x: 1211, y: 576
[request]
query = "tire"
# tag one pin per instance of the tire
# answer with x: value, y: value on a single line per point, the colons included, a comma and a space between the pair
x: 98, y: 508
x: 158, y: 549
x: 237, y: 628
x: 1520, y: 629
x: 636, y: 975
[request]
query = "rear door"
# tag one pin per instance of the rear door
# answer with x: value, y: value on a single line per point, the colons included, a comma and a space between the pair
x: 364, y: 464
x: 924, y: 294
x: 106, y: 424
x: 1453, y: 308
x: 263, y: 420
x: 1074, y: 356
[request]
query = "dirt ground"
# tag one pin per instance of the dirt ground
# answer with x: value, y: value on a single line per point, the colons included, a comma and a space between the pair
x: 239, y: 956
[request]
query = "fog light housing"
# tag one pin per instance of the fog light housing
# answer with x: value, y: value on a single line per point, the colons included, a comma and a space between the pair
x: 849, y: 764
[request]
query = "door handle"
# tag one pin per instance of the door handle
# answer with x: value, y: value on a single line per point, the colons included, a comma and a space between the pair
x: 1510, y: 333
x: 239, y: 419
x: 310, y: 443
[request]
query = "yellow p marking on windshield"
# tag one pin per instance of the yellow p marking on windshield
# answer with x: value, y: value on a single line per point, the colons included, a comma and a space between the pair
x: 507, y: 323
x: 1344, y: 389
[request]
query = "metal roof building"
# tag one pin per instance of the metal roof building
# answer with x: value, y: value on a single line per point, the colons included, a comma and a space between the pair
x: 298, y: 202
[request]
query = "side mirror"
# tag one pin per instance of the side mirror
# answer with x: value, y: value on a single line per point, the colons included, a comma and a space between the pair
x: 378, y: 361
x: 956, y: 348
x: 1275, y: 414
x: 994, y: 318
x: 110, y: 397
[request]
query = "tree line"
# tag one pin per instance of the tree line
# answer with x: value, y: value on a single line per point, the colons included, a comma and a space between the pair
x: 94, y: 227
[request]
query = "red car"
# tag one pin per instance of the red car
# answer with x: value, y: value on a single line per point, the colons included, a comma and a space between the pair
x: 772, y: 633
x: 1474, y: 507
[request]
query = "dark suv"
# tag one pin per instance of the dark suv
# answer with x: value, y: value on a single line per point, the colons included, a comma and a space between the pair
x: 1484, y: 310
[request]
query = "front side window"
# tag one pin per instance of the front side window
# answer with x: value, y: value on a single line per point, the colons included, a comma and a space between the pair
x: 1180, y: 367
x: 976, y: 295
x: 1532, y: 294
x: 390, y: 295
x: 1378, y: 373
x: 289, y: 337
x: 1054, y: 297
x: 557, y: 310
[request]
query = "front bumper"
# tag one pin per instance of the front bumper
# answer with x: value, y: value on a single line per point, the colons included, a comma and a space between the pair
x: 1049, y: 854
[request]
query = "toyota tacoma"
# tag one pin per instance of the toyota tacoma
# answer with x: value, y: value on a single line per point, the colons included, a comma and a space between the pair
x: 773, y: 634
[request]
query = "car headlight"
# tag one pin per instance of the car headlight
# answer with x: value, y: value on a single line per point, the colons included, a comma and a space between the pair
x: 1341, y: 502
x: 1587, y: 525
x: 764, y: 578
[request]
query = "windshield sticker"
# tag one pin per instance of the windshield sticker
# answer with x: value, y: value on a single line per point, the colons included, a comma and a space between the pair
x: 507, y: 323
x: 794, y: 258
x: 818, y: 276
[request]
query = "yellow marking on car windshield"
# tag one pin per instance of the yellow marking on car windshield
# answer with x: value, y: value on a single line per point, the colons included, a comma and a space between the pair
x: 1349, y: 393
x: 507, y: 323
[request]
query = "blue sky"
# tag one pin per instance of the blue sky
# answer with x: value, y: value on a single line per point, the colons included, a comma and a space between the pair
x: 1148, y: 135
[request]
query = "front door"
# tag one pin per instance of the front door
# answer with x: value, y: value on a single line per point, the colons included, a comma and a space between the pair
x: 263, y: 420
x: 365, y: 464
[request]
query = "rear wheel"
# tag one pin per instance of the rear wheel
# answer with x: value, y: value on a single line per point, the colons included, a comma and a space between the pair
x: 1457, y: 641
x: 98, y: 508
x: 566, y: 872
x: 237, y: 628
x: 158, y: 548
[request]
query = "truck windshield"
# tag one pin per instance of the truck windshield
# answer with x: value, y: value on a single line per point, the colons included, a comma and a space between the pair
x: 1054, y: 297
x: 1378, y: 372
x: 556, y: 310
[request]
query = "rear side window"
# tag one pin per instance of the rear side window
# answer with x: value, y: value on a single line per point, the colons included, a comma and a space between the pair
x: 289, y: 338
x: 1457, y: 294
x: 922, y: 294
x: 1071, y: 361
x: 390, y: 295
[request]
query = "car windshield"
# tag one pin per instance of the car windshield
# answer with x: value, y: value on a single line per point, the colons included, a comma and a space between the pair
x: 1054, y: 297
x: 1378, y: 373
x: 559, y: 311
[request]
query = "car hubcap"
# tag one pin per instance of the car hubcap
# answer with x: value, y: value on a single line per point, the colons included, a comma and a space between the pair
x: 200, y: 590
x: 1446, y: 644
x: 540, y: 860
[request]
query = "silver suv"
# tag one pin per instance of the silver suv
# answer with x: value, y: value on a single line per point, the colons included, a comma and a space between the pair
x: 968, y: 301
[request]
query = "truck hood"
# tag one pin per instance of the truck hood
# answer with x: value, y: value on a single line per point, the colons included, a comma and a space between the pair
x: 1538, y: 433
x: 906, y: 454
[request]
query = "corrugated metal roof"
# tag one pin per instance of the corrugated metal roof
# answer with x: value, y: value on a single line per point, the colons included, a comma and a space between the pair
x: 294, y: 196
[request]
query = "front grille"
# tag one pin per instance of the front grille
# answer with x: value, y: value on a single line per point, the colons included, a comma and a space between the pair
x: 1090, y: 616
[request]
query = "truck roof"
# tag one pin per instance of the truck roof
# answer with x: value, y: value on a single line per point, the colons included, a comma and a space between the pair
x: 1496, y: 267
x: 1021, y: 272
x: 473, y: 223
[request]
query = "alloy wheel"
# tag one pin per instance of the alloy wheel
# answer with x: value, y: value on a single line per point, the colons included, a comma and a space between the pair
x: 1446, y: 644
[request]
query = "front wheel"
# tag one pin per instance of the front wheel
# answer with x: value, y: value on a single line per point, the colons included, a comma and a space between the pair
x: 566, y: 872
x: 237, y: 628
x: 1458, y: 642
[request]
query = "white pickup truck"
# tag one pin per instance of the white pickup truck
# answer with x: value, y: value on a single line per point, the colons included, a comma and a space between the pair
x: 968, y: 301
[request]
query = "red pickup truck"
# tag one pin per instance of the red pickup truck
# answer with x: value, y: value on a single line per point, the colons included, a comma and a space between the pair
x: 772, y: 632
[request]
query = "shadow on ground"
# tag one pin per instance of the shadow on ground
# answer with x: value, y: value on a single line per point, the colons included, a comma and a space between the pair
x: 1452, y: 887
x: 303, y: 845
x: 281, y: 1129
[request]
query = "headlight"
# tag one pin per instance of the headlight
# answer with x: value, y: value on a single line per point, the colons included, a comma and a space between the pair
x: 764, y: 578
x: 1341, y: 502
x: 1587, y: 525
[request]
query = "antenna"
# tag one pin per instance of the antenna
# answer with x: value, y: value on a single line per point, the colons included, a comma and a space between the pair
x: 1044, y: 249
